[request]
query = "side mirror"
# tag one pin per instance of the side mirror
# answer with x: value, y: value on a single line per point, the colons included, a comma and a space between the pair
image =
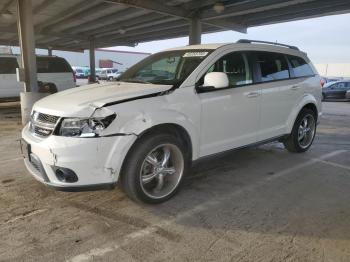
x: 216, y: 80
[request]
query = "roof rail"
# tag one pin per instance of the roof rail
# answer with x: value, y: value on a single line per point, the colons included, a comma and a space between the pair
x: 247, y: 41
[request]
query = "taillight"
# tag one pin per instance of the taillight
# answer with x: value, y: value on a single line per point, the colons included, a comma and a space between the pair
x: 322, y: 82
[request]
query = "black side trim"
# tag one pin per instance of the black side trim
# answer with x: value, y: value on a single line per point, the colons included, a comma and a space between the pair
x: 227, y: 152
x: 116, y: 134
x: 207, y: 90
x: 134, y: 98
x: 107, y: 186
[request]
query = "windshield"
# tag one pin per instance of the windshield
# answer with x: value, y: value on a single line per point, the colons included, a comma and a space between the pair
x: 168, y: 68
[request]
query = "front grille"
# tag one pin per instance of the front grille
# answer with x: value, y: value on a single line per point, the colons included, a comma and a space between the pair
x: 42, y: 131
x: 44, y: 118
x: 42, y: 124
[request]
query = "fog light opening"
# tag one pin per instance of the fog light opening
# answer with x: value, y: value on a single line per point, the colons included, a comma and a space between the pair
x: 65, y: 175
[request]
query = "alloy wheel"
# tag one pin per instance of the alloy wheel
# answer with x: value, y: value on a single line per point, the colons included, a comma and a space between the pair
x: 161, y: 171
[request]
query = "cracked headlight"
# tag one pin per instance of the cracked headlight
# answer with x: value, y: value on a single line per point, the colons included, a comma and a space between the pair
x: 84, y: 127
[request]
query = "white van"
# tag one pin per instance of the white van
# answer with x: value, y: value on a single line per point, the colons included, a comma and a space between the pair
x: 51, y: 69
x: 171, y: 109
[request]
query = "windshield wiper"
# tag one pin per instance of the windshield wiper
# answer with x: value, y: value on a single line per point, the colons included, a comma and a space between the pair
x: 135, y: 80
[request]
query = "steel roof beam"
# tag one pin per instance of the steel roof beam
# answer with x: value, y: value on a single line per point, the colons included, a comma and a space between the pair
x: 150, y: 26
x: 78, y: 16
x: 6, y: 6
x: 310, y: 13
x: 145, y: 19
x: 159, y: 7
x: 249, y: 7
x: 309, y: 6
x: 50, y: 34
x: 103, y: 21
x: 68, y: 12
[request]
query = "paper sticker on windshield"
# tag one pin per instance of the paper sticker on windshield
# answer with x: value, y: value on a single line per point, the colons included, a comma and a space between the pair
x: 195, y: 54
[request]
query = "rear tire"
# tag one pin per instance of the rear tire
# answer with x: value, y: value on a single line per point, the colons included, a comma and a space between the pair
x: 303, y: 132
x: 154, y: 168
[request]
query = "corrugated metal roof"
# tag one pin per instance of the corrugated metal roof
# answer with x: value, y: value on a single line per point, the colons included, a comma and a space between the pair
x: 70, y: 24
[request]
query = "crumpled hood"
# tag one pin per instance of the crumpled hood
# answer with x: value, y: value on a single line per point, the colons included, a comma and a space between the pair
x: 82, y: 101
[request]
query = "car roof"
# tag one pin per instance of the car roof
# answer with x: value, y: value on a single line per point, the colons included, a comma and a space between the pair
x: 335, y: 82
x: 244, y: 46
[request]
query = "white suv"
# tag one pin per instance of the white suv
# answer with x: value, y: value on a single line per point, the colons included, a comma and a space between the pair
x: 52, y: 70
x: 168, y: 110
x: 108, y: 74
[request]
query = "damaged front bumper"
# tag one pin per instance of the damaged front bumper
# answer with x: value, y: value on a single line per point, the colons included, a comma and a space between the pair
x: 90, y: 163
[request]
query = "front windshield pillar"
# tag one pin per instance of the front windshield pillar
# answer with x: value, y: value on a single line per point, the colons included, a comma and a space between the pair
x: 195, y: 33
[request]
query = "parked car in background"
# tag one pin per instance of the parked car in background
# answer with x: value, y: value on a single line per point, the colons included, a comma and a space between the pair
x: 172, y: 108
x: 81, y: 72
x: 347, y: 95
x: 52, y: 70
x: 108, y: 74
x: 336, y: 90
x: 99, y: 73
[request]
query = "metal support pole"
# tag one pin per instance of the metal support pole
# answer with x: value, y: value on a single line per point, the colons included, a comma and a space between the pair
x: 195, y: 31
x: 27, y: 44
x: 28, y: 68
x: 92, y: 60
x: 49, y: 51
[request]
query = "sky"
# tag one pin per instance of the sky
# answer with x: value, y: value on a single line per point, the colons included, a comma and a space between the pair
x: 324, y: 39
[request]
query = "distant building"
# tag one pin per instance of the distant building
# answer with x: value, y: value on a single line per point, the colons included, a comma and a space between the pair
x: 334, y: 70
x: 103, y: 57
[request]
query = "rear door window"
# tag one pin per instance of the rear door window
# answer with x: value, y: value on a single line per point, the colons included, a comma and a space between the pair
x: 340, y: 86
x: 300, y: 67
x: 8, y: 65
x: 52, y: 65
x: 273, y: 66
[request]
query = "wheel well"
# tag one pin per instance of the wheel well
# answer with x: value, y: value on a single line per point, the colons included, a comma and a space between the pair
x: 313, y: 108
x: 47, y: 88
x: 173, y: 129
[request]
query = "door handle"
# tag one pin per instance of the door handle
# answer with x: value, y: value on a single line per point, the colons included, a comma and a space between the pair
x: 296, y: 87
x: 253, y: 94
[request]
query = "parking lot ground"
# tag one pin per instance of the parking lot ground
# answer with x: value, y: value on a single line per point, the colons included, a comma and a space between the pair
x: 255, y: 204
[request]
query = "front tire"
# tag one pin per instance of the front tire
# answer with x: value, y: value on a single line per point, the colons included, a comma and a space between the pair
x: 154, y: 168
x: 303, y: 132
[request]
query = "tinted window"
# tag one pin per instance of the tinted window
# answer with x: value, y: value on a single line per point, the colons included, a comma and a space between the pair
x: 340, y: 86
x: 52, y: 65
x: 273, y: 66
x: 8, y: 65
x: 348, y: 85
x: 300, y: 67
x: 237, y: 68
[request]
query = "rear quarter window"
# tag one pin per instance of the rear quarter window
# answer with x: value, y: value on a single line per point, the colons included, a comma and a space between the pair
x: 273, y: 66
x: 8, y: 65
x: 52, y: 65
x: 300, y: 67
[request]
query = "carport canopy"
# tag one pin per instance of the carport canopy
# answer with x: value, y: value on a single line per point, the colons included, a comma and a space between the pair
x: 73, y: 24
